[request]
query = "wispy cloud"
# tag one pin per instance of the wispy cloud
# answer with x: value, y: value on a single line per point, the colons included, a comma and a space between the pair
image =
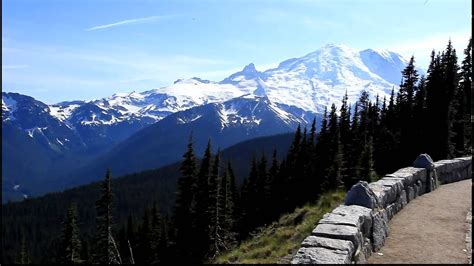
x: 14, y: 66
x: 130, y: 21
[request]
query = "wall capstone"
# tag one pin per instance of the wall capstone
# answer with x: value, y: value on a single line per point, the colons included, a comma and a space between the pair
x: 424, y: 161
x: 360, y: 194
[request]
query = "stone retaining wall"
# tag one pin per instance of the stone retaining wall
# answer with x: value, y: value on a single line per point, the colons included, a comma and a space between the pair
x: 352, y: 231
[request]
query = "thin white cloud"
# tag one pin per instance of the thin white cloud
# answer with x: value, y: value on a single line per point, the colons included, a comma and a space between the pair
x: 129, y: 21
x: 14, y: 66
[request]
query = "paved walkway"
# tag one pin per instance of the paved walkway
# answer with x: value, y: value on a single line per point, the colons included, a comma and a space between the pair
x: 430, y: 229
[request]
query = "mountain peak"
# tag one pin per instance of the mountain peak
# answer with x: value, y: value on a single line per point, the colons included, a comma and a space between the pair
x: 250, y: 68
x: 248, y: 73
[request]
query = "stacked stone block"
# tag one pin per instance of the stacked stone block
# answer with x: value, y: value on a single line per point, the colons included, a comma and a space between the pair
x: 351, y: 232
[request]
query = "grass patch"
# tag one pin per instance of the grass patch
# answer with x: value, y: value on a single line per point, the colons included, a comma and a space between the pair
x: 276, y: 242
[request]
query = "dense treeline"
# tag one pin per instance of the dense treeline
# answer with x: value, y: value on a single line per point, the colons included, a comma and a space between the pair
x: 358, y: 141
x: 38, y: 220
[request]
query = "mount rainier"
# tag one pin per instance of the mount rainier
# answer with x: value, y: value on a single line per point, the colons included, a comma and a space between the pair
x: 293, y: 93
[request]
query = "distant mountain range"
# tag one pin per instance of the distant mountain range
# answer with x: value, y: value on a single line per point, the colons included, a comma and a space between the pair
x: 142, y: 130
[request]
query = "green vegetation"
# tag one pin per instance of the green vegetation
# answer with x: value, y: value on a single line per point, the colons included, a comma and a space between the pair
x: 273, y: 244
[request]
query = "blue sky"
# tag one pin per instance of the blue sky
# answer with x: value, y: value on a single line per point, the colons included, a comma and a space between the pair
x: 57, y: 50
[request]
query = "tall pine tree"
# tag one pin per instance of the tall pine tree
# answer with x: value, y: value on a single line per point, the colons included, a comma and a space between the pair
x: 182, y: 217
x: 71, y: 244
x: 106, y: 248
x: 200, y: 207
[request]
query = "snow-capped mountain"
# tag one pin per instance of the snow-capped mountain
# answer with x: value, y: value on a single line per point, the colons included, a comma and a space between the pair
x: 321, y: 78
x: 152, y: 105
x: 224, y: 123
x: 300, y: 86
x: 34, y: 118
x: 244, y: 105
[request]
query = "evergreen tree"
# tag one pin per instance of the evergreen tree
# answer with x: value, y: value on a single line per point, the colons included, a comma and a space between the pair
x: 302, y: 170
x: 261, y: 191
x: 462, y: 121
x: 218, y: 230
x: 441, y: 86
x: 248, y: 199
x: 367, y: 163
x: 434, y: 95
x: 312, y: 134
x: 419, y: 118
x: 405, y: 103
x: 322, y: 149
x: 201, y: 207
x: 105, y: 249
x: 294, y: 149
x: 131, y: 231
x: 216, y: 209
x: 451, y: 79
x: 23, y: 256
x: 272, y: 184
x: 334, y: 178
x: 144, y: 252
x: 390, y: 114
x: 123, y: 245
x: 71, y: 245
x: 231, y: 210
x: 163, y: 243
x: 345, y: 123
x: 155, y: 234
x: 182, y: 217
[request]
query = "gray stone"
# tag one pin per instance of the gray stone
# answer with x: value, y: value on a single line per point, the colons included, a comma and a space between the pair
x: 386, y: 190
x: 391, y: 209
x: 354, y: 215
x: 402, y: 200
x: 364, y: 253
x: 324, y: 242
x: 345, y: 232
x: 404, y: 181
x: 432, y: 184
x: 395, y: 184
x: 441, y: 166
x: 382, y: 193
x: 321, y: 256
x: 407, y: 175
x: 419, y: 188
x: 424, y: 161
x: 457, y: 175
x: 360, y: 194
x: 410, y: 175
x: 420, y: 174
x: 380, y: 229
x: 410, y: 193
